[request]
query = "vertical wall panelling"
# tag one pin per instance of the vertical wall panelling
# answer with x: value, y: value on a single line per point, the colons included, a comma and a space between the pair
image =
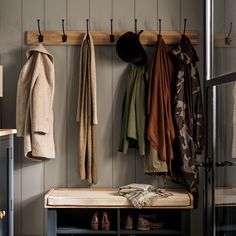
x: 77, y: 13
x: 123, y: 165
x: 33, y: 186
x: 10, y: 55
x: 55, y: 170
x: 227, y: 93
x: 219, y: 27
x: 169, y: 12
x: 33, y: 179
x: 230, y: 7
x: 220, y: 67
x: 194, y: 22
x: 146, y: 15
x: 100, y: 15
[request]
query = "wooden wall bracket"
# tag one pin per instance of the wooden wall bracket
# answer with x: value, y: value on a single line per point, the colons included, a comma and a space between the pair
x: 219, y: 41
x: 103, y: 37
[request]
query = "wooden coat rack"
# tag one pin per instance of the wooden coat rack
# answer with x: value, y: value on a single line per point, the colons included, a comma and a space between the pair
x: 103, y: 37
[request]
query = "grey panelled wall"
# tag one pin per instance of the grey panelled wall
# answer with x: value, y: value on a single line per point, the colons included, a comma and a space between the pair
x: 32, y: 179
x: 224, y: 62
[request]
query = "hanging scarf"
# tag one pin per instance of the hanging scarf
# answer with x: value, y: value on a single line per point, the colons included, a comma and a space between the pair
x: 87, y: 112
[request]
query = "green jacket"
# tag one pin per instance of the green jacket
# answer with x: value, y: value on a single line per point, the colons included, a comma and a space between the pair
x: 134, y: 111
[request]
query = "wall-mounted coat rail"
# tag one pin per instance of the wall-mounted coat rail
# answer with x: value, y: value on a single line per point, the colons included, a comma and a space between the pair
x: 103, y: 37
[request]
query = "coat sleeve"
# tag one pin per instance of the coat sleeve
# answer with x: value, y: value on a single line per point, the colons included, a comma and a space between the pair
x: 42, y: 96
x: 198, y: 112
x: 23, y: 87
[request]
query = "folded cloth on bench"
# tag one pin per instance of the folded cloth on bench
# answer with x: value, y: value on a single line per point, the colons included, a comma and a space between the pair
x: 142, y: 195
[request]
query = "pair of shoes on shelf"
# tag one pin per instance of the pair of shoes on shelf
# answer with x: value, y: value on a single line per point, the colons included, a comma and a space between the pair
x: 147, y: 222
x: 105, y: 224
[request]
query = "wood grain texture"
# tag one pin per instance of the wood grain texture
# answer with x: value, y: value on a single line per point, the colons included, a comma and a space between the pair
x: 4, y: 132
x: 103, y: 37
x: 109, y: 198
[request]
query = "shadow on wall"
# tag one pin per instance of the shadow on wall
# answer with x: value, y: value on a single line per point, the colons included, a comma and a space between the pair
x: 11, y: 71
x: 32, y: 210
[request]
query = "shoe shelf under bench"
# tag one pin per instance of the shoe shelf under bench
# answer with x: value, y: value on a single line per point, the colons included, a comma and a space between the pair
x: 71, y: 211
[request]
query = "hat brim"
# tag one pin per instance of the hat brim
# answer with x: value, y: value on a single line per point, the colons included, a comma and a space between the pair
x: 130, y: 50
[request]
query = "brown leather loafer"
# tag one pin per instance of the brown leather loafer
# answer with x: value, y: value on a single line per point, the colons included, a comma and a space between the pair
x: 105, y: 221
x: 95, y: 221
x: 145, y: 224
x: 128, y: 223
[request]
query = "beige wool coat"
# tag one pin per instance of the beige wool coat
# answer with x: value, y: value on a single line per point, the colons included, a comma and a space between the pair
x: 34, y: 105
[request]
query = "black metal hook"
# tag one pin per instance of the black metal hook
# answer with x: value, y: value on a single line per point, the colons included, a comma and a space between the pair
x: 87, y: 29
x: 159, y: 27
x: 185, y: 24
x: 112, y: 37
x: 64, y: 36
x: 136, y: 25
x: 40, y: 37
x: 87, y: 25
x: 228, y: 38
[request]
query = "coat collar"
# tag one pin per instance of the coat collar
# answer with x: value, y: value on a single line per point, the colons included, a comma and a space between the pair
x: 39, y: 48
x: 185, y: 51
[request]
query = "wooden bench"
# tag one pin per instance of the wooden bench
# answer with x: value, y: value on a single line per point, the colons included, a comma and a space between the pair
x: 70, y: 211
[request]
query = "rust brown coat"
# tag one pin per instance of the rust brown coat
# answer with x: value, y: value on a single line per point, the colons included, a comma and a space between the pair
x: 160, y: 129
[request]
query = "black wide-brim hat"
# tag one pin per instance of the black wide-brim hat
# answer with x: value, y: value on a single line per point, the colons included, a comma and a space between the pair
x: 129, y: 49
